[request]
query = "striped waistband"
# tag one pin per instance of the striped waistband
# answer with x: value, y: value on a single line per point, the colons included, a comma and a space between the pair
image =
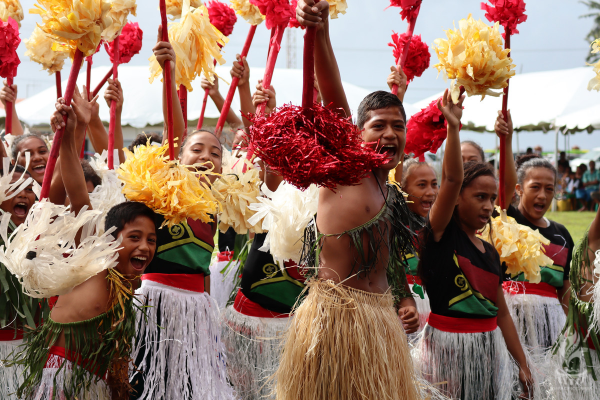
x: 57, y: 354
x: 462, y: 325
x: 190, y: 282
x: 245, y: 306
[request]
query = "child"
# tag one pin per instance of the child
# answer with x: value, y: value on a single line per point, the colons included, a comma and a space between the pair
x: 461, y: 344
x: 82, y: 350
x: 37, y: 148
x: 178, y: 349
x: 346, y: 340
x: 538, y: 309
x: 471, y: 151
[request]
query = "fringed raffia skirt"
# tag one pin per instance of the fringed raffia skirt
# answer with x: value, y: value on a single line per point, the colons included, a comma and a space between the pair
x: 422, y: 307
x: 10, y: 377
x: 345, y: 344
x: 253, y: 349
x: 178, y: 352
x: 53, y: 373
x: 222, y: 285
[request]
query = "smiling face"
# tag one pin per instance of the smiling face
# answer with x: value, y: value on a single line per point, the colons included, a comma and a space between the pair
x: 422, y: 187
x: 202, y: 148
x: 536, y: 193
x: 386, y: 128
x: 476, y: 203
x: 39, y: 157
x: 138, y: 246
x: 19, y: 205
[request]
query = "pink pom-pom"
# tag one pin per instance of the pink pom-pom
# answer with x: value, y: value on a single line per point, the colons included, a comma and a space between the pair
x: 418, y: 54
x: 276, y: 12
x: 409, y: 8
x: 293, y: 21
x: 508, y: 13
x: 9, y: 41
x: 222, y: 16
x: 425, y: 131
x: 312, y: 146
x: 130, y: 43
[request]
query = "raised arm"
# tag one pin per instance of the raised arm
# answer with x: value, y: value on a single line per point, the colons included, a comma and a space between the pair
x: 398, y: 78
x: 311, y: 14
x: 114, y: 91
x: 241, y: 70
x: 452, y: 168
x: 215, y: 95
x: 261, y: 96
x: 504, y: 130
x: 9, y: 94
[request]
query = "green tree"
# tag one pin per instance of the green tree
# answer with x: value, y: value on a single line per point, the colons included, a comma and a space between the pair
x: 594, y: 34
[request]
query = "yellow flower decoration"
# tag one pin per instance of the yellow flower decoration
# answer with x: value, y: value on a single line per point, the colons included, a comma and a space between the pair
x: 39, y: 50
x: 519, y: 246
x: 196, y: 43
x: 236, y: 190
x: 474, y: 57
x: 595, y: 81
x: 248, y: 11
x: 13, y: 9
x: 118, y: 13
x: 167, y: 187
x: 337, y: 7
x: 174, y: 7
x: 74, y: 24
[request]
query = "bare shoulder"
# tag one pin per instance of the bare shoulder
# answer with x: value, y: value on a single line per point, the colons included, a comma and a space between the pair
x: 85, y: 301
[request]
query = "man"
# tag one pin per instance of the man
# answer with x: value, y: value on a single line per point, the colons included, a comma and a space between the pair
x: 590, y: 179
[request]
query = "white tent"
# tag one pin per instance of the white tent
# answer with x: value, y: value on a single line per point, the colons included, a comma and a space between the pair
x: 538, y: 101
x: 143, y: 100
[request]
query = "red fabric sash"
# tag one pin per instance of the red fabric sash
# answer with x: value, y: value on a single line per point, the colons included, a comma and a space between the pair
x: 245, y: 306
x: 225, y: 256
x: 8, y: 335
x: 539, y: 289
x: 462, y: 325
x: 71, y: 356
x: 191, y: 282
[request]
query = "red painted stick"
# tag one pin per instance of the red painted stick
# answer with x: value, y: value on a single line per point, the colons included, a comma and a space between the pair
x: 168, y: 82
x: 411, y: 29
x: 234, y: 84
x: 271, y: 61
x: 308, y: 68
x: 502, y: 173
x: 113, y: 109
x: 9, y: 109
x: 201, y: 119
x: 58, y: 135
x: 183, y: 94
x: 102, y: 82
x: 58, y: 84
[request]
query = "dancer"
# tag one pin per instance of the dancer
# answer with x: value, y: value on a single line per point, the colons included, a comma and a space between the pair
x: 346, y: 340
x: 538, y: 309
x: 38, y: 150
x: 471, y: 151
x: 470, y: 333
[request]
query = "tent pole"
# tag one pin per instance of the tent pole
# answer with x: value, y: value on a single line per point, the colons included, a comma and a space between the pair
x: 518, y: 148
x: 554, y: 204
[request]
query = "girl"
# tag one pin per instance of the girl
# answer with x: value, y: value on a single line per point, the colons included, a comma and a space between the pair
x: 36, y: 146
x: 538, y: 309
x: 469, y: 330
x: 471, y: 151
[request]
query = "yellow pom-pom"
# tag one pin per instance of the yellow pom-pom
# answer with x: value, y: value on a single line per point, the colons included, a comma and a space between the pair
x: 196, y: 43
x: 235, y: 190
x: 13, y: 9
x: 473, y: 56
x: 174, y: 7
x: 165, y: 186
x: 248, y: 11
x: 337, y: 7
x: 519, y: 246
x: 118, y: 13
x: 74, y: 24
x: 595, y: 81
x: 39, y: 50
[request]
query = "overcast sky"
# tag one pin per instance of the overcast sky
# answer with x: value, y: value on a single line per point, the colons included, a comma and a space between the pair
x: 552, y: 38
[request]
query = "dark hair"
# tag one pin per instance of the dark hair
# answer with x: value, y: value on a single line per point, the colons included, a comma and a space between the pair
x: 142, y: 139
x: 473, y: 170
x: 523, y: 159
x: 89, y: 173
x: 376, y: 101
x: 124, y: 213
x: 187, y: 137
x: 409, y: 165
x: 533, y: 163
x: 16, y: 168
x: 14, y: 149
x: 477, y: 147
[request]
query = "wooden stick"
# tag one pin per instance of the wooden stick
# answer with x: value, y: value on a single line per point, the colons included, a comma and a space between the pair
x: 271, y: 61
x: 113, y: 109
x: 204, y: 102
x: 168, y: 83
x: 182, y: 93
x: 411, y: 29
x: 102, y: 82
x: 502, y: 164
x: 58, y: 84
x: 9, y: 109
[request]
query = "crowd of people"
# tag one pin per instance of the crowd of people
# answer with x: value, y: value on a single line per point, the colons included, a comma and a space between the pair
x: 397, y: 294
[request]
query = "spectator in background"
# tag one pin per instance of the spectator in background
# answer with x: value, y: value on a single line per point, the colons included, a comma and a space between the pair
x: 562, y: 161
x: 538, y: 150
x: 569, y: 188
x: 529, y: 151
x: 580, y: 192
x: 590, y: 179
x: 143, y: 137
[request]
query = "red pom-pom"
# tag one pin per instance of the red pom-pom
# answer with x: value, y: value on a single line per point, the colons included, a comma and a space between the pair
x: 9, y: 41
x: 222, y: 16
x: 130, y: 43
x: 508, y: 13
x: 326, y: 150
x: 276, y: 12
x: 293, y: 21
x: 425, y: 131
x: 409, y: 8
x: 418, y: 54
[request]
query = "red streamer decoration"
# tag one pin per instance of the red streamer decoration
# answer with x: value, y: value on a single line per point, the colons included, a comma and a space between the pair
x: 410, y: 8
x: 419, y: 54
x: 9, y: 60
x: 222, y: 16
x: 426, y: 131
x: 168, y: 82
x: 410, y: 12
x: 130, y: 43
x: 508, y: 13
x: 276, y: 12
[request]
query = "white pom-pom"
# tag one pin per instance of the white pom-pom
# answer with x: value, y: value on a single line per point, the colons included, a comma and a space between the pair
x: 109, y: 193
x: 285, y: 214
x: 596, y: 296
x: 9, y: 190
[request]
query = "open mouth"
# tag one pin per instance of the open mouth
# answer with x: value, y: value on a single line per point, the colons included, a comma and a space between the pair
x: 389, y: 150
x: 484, y: 218
x: 20, y: 209
x: 539, y: 207
x: 39, y: 169
x: 426, y: 204
x: 138, y: 262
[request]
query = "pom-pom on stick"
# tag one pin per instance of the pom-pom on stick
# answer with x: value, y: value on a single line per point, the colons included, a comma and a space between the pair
x: 175, y: 7
x: 419, y: 55
x: 130, y: 43
x: 248, y: 11
x: 410, y: 8
x: 113, y: 107
x: 410, y: 12
x: 9, y: 60
x: 168, y: 83
x: 11, y: 9
x: 425, y: 131
x: 276, y: 12
x: 39, y: 50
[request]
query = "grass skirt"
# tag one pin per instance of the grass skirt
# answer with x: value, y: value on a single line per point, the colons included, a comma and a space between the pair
x: 471, y: 366
x: 345, y: 344
x: 253, y: 349
x: 98, y: 389
x: 538, y: 319
x: 180, y: 356
x: 10, y: 377
x: 222, y: 285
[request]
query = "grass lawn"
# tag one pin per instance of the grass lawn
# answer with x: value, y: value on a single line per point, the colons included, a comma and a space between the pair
x: 576, y: 222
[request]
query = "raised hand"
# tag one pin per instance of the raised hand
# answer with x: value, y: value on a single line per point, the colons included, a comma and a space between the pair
x: 241, y: 70
x: 114, y: 91
x: 213, y: 88
x: 82, y: 107
x: 502, y: 127
x: 264, y: 95
x: 452, y: 112
x: 310, y: 13
x: 398, y: 78
x: 163, y: 51
x: 8, y: 94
